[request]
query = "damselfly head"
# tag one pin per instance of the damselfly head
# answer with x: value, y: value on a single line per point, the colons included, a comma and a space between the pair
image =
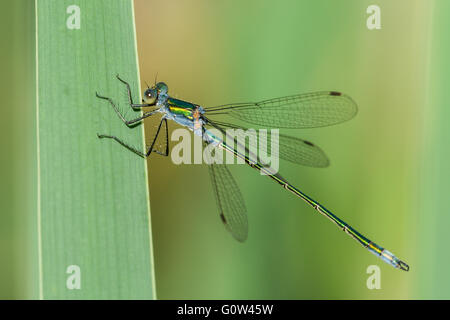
x: 152, y: 94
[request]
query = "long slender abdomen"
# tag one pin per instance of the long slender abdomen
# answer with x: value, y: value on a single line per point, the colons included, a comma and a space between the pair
x: 377, y: 250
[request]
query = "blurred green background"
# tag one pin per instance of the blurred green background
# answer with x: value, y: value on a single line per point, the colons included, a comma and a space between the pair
x: 389, y: 165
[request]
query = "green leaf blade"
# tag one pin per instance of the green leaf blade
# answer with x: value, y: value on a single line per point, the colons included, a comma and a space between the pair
x: 93, y: 193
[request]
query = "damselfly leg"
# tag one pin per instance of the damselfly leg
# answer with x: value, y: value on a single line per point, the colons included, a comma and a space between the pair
x: 133, y: 122
x: 150, y: 148
x: 130, y: 98
x: 130, y: 123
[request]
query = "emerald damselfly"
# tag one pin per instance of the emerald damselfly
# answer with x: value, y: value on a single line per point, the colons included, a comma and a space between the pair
x: 308, y: 110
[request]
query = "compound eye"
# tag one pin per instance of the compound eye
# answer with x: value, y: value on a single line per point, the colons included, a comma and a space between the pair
x: 150, y: 95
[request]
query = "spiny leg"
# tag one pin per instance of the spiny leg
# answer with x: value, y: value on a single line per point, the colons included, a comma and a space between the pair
x: 150, y: 149
x: 129, y: 147
x: 129, y: 123
x: 130, y: 98
x: 133, y: 149
x: 167, y: 138
x: 166, y: 152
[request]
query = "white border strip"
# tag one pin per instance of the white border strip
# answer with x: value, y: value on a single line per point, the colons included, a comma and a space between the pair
x: 145, y: 162
x: 41, y: 280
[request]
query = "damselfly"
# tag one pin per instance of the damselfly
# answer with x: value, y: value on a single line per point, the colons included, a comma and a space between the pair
x: 298, y: 111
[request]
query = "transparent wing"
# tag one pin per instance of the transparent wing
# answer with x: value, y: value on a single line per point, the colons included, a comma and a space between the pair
x: 307, y: 110
x: 290, y: 148
x: 229, y: 201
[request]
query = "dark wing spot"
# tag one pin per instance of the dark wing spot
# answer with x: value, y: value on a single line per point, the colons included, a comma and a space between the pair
x: 308, y: 143
x: 223, y: 218
x: 335, y: 93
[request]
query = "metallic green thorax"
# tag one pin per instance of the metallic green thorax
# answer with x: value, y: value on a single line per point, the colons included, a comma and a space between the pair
x: 180, y: 107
